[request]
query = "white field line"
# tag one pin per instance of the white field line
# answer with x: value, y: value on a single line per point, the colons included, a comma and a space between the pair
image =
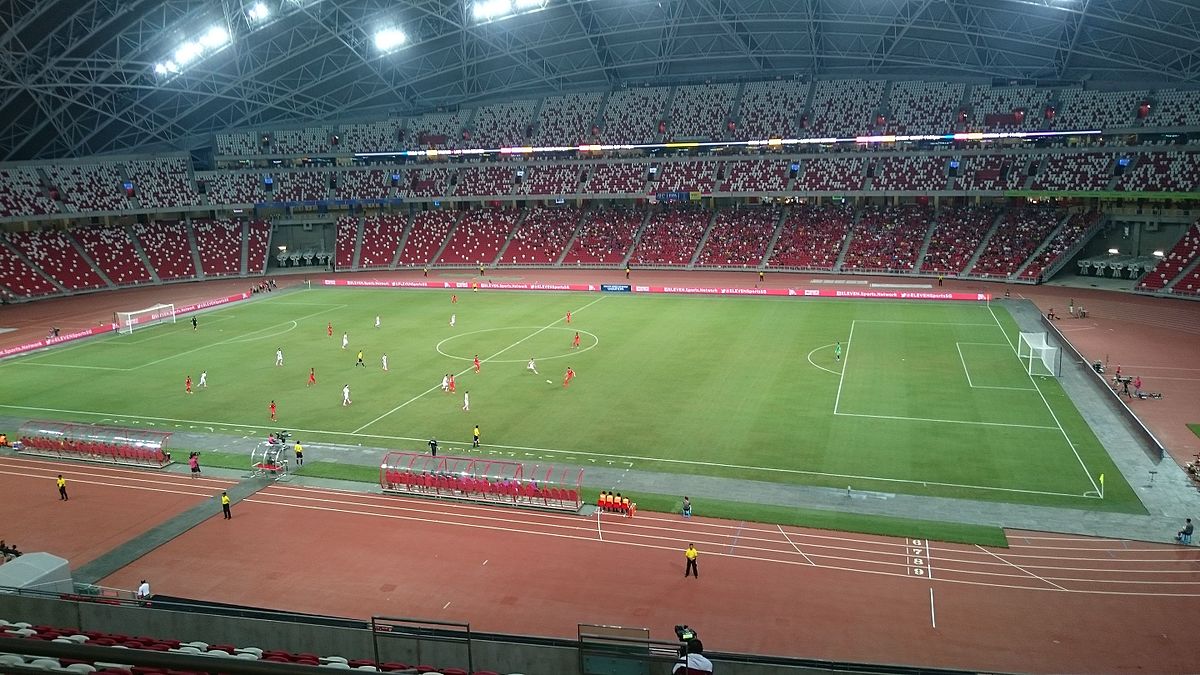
x: 959, y: 345
x: 845, y: 360
x: 814, y: 365
x: 1018, y: 567
x: 931, y: 419
x: 468, y: 368
x: 922, y: 323
x: 789, y: 540
x: 1074, y: 450
x: 963, y: 360
x: 579, y: 453
x: 932, y: 613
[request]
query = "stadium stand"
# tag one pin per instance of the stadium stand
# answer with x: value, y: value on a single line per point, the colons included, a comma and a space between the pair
x: 489, y: 180
x: 502, y: 125
x: 685, y: 177
x: 567, y: 119
x: 1090, y: 109
x: 22, y: 194
x: 956, y: 237
x: 20, y: 279
x: 300, y: 186
x: 754, y: 175
x: 632, y: 115
x: 363, y: 184
x: 1188, y: 285
x: 671, y: 236
x: 1015, y: 240
x: 429, y: 230
x: 605, y: 236
x: 1174, y: 108
x: 628, y: 178
x: 1068, y: 236
x: 844, y: 107
x: 1017, y: 108
x: 990, y: 172
x: 831, y: 173
x: 347, y: 238
x: 1171, y: 171
x: 162, y: 183
x: 311, y: 140
x: 542, y: 236
x: 479, y: 237
x: 739, y: 237
x: 919, y: 107
x: 1182, y: 254
x: 437, y: 130
x: 549, y: 179
x: 378, y: 136
x: 89, y: 187
x: 811, y: 237
x: 219, y: 243
x: 701, y: 111
x: 53, y: 252
x: 257, y: 246
x: 913, y: 173
x: 112, y: 250
x: 380, y: 240
x: 887, y: 239
x: 238, y: 144
x: 429, y: 181
x: 770, y: 109
x: 233, y: 188
x: 1090, y: 171
x: 165, y: 243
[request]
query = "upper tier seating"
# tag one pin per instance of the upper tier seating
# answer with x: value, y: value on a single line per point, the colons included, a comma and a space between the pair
x: 567, y: 119
x: 219, y: 243
x: 22, y: 194
x: 1174, y: 108
x: 313, y: 140
x: 812, y: 236
x: 233, y: 188
x: 162, y: 183
x: 258, y: 246
x: 1171, y: 171
x: 701, y: 111
x: 428, y: 233
x: 165, y: 243
x: 378, y: 136
x: 20, y: 279
x: 502, y: 125
x: 343, y: 246
x: 997, y: 108
x: 300, y: 186
x: 770, y: 109
x: 632, y: 115
x: 605, y: 236
x: 739, y: 237
x: 1066, y: 238
x: 685, y: 177
x: 113, y: 252
x: 1022, y: 231
x: 239, y: 143
x: 541, y: 237
x: 844, y: 107
x: 479, y: 236
x: 918, y: 107
x: 990, y: 172
x: 955, y: 239
x: 363, y: 184
x: 53, y: 252
x: 1091, y: 171
x: 549, y: 179
x: 436, y: 130
x: 381, y: 239
x: 915, y: 173
x: 89, y: 187
x: 485, y: 181
x: 1175, y: 261
x: 831, y: 173
x: 755, y: 175
x: 888, y: 238
x: 429, y: 181
x: 672, y: 236
x: 623, y: 178
x: 1089, y: 109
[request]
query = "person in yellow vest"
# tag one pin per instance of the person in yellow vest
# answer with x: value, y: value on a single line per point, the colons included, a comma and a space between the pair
x: 691, y: 554
x: 62, y: 488
x: 225, y: 505
x: 299, y: 454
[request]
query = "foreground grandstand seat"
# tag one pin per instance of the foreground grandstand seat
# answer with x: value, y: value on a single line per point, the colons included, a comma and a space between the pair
x: 427, y: 181
x: 347, y: 237
x: 1015, y: 240
x: 380, y: 239
x: 811, y: 237
x: 219, y: 243
x: 888, y: 239
x: 1068, y: 235
x: 55, y: 253
x: 671, y: 237
x: 913, y: 173
x: 257, y: 246
x: 955, y: 239
x: 1171, y: 171
x: 541, y: 237
x: 166, y: 246
x: 604, y: 236
x: 428, y: 233
x: 487, y: 181
x: 990, y: 172
x: 112, y: 250
x: 1175, y: 261
x: 224, y: 187
x: 739, y: 237
x: 478, y: 238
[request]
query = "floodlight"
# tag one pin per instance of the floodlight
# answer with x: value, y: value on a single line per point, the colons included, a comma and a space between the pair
x: 490, y: 9
x: 523, y: 5
x: 259, y: 12
x: 388, y: 39
x: 214, y: 37
x: 188, y: 51
x: 161, y: 68
x: 1113, y: 251
x: 1158, y: 254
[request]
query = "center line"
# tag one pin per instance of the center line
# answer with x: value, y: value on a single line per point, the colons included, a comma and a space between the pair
x: 468, y: 368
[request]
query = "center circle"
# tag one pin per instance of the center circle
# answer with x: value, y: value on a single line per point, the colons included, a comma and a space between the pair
x: 528, y: 333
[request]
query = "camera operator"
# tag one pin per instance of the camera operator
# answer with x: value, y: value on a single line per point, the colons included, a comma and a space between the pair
x: 692, y: 660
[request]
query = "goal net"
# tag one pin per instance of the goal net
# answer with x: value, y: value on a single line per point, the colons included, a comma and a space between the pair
x: 126, y: 321
x: 1039, y: 357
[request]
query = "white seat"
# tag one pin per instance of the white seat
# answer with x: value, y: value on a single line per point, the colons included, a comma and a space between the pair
x: 375, y: 669
x: 333, y: 659
x: 217, y: 652
x: 250, y: 650
x: 198, y: 645
x: 336, y: 665
x: 101, y: 665
x: 79, y: 668
x: 23, y: 632
x: 78, y: 639
x: 21, y: 624
x: 11, y: 660
x: 43, y: 663
x: 245, y: 655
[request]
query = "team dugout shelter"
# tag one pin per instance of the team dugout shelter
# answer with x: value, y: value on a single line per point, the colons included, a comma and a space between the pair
x: 482, y: 480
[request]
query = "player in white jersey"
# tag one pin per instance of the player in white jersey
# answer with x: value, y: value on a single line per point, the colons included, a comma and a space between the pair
x: 531, y: 366
x: 446, y: 382
x: 204, y: 379
x: 345, y: 340
x: 452, y: 318
x: 384, y: 357
x: 279, y: 356
x: 377, y: 321
x: 346, y: 395
x: 466, y: 401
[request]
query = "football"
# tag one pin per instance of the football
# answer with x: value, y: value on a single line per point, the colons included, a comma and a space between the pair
x: 549, y: 382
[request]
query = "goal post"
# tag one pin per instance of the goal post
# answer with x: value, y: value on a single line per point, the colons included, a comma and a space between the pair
x: 127, y: 321
x: 1038, y: 357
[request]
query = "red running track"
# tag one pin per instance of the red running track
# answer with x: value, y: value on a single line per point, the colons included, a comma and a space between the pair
x: 1048, y: 604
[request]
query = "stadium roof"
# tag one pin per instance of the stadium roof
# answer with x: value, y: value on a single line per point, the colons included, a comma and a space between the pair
x: 78, y: 77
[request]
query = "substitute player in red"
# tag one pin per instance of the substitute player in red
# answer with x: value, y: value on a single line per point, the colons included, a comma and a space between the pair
x: 451, y: 383
x: 575, y: 342
x: 312, y: 373
x: 329, y: 328
x: 187, y: 385
x: 477, y: 363
x: 273, y: 410
x: 568, y: 377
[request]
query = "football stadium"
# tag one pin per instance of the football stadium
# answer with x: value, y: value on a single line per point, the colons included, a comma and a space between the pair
x: 438, y: 336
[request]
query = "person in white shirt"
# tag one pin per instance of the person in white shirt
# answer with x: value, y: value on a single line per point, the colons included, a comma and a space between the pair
x: 446, y: 382
x: 531, y: 366
x: 452, y: 317
x: 204, y: 379
x: 384, y: 357
x: 377, y: 321
x: 143, y: 591
x: 278, y: 356
x: 466, y: 401
x: 346, y: 395
x: 345, y: 340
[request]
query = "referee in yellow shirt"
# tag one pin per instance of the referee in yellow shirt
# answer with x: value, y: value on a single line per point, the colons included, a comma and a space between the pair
x: 691, y: 553
x: 225, y: 505
x: 62, y: 488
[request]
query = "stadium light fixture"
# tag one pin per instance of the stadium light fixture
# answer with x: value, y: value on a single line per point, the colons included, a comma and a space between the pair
x: 388, y: 39
x: 209, y: 41
x: 1158, y: 254
x: 1113, y: 251
x: 214, y: 38
x: 486, y: 10
x: 258, y: 13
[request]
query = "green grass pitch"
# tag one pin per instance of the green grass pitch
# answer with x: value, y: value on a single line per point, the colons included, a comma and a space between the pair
x: 927, y: 398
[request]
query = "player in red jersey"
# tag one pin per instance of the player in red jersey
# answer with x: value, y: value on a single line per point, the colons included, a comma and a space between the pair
x: 477, y: 363
x: 187, y: 386
x: 568, y: 377
x: 451, y: 383
x: 575, y: 342
x: 329, y: 328
x: 273, y: 411
x: 568, y: 317
x: 453, y: 299
x: 312, y: 374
